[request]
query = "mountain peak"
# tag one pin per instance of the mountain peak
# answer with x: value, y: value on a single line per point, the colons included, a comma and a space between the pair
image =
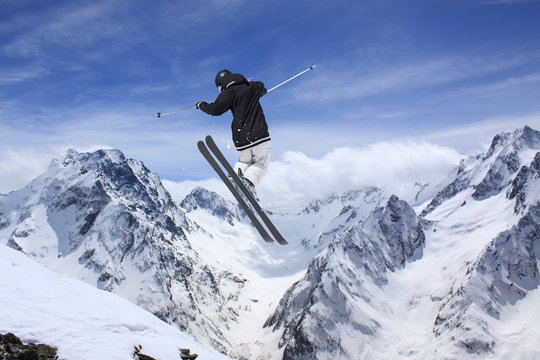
x: 519, y: 139
x: 201, y: 198
x: 529, y: 136
x: 102, y: 155
x: 110, y: 171
x: 488, y: 175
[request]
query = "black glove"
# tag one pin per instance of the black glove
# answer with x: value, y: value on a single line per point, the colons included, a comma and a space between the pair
x: 198, y: 105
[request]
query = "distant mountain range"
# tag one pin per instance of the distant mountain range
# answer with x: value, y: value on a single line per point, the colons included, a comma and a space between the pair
x: 366, y: 275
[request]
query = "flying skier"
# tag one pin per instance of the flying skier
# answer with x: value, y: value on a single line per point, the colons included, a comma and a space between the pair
x: 249, y: 128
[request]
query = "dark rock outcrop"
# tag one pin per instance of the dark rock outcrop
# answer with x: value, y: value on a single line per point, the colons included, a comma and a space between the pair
x: 12, y: 348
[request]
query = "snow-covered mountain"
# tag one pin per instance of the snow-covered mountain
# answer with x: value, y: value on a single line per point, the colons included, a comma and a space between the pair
x: 108, y: 220
x: 201, y: 198
x: 489, y: 174
x: 365, y: 275
x: 396, y: 285
x: 337, y: 213
x: 506, y: 269
x: 327, y: 313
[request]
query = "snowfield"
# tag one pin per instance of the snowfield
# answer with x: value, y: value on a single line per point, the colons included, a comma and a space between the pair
x: 41, y: 306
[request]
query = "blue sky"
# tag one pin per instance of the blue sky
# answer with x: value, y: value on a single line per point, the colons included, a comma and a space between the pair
x: 90, y: 74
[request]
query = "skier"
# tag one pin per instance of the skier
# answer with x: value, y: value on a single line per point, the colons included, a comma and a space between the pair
x: 249, y: 128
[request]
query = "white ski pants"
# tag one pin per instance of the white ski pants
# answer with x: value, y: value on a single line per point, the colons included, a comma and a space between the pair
x: 254, y: 162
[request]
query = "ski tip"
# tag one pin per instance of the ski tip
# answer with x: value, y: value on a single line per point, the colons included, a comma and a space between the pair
x: 200, y: 144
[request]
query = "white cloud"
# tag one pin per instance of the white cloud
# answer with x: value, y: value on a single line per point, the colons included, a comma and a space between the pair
x: 18, y: 168
x: 296, y: 179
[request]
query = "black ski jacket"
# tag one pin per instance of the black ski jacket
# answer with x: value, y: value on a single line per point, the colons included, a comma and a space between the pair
x: 249, y: 126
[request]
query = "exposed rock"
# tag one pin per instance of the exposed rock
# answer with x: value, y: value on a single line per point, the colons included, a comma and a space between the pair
x: 525, y: 187
x: 12, y: 348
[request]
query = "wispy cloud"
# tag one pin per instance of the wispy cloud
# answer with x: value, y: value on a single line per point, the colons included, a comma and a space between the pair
x: 510, y: 82
x: 70, y: 27
x: 476, y: 137
x: 356, y: 81
x: 10, y: 76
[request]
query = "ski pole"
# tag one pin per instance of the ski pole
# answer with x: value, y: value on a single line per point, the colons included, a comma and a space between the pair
x: 275, y: 87
x: 174, y: 112
x: 294, y: 77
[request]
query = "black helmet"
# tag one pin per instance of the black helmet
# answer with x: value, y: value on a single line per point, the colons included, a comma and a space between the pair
x: 219, y: 78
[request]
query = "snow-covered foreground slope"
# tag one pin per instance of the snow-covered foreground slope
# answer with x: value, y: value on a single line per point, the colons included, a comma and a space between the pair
x: 83, y: 322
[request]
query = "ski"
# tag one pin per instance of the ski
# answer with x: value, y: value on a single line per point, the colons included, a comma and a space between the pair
x: 240, y: 184
x: 208, y: 156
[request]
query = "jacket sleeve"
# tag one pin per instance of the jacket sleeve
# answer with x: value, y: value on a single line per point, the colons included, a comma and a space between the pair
x: 223, y: 103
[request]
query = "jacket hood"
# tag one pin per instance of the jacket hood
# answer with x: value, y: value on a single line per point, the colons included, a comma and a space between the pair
x: 233, y: 79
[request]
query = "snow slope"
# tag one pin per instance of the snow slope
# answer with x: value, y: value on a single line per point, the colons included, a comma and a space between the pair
x: 41, y: 306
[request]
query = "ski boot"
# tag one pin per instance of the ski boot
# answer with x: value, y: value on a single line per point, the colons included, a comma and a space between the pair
x: 249, y: 185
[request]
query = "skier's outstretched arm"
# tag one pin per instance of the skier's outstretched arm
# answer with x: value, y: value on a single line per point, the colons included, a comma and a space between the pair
x: 223, y: 103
